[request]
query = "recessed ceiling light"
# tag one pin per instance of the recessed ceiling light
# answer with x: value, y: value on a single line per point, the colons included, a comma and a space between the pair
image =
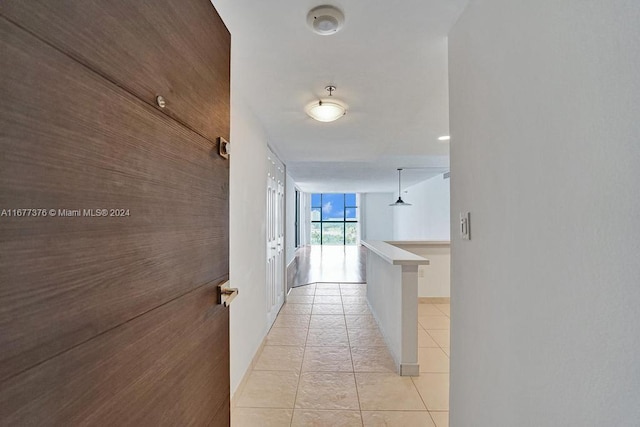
x: 326, y: 110
x: 325, y: 20
x: 444, y: 138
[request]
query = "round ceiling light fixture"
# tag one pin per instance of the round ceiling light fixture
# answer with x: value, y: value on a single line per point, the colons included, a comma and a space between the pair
x: 327, y: 110
x: 325, y: 20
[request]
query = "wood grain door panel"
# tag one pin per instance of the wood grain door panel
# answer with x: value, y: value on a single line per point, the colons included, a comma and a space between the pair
x: 177, y: 49
x: 147, y: 372
x: 71, y: 139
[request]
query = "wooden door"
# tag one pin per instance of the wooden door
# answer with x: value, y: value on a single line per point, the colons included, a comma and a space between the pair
x: 113, y: 213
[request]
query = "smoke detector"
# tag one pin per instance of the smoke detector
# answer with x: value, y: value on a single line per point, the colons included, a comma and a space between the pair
x: 325, y: 20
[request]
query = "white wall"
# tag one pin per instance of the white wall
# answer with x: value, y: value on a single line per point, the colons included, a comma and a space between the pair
x: 247, y: 211
x: 247, y: 223
x: 434, y: 280
x: 290, y: 218
x: 428, y: 217
x: 545, y: 154
x: 376, y: 216
x: 391, y: 293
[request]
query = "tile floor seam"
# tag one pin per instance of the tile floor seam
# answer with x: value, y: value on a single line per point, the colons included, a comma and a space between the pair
x: 438, y: 308
x: 304, y: 352
x: 267, y: 407
x: 440, y: 346
x: 398, y: 410
x: 424, y: 402
x: 353, y: 366
x: 300, y: 414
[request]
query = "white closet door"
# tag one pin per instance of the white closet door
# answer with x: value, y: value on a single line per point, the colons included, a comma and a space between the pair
x: 275, y: 237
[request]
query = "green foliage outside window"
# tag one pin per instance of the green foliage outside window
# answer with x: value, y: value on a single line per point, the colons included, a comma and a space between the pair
x: 334, y: 219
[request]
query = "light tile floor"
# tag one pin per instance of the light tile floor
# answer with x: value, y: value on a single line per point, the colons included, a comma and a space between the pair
x: 325, y: 363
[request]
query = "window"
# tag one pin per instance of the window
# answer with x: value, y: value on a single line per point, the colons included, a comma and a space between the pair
x: 334, y: 219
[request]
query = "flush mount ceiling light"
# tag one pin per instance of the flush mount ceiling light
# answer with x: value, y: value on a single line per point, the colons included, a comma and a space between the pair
x: 399, y: 202
x: 444, y: 138
x: 325, y: 20
x: 327, y: 110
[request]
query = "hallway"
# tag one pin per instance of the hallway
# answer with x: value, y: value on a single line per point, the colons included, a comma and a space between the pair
x: 327, y: 263
x: 325, y: 363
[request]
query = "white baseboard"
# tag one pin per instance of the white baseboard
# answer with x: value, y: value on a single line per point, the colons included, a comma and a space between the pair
x: 434, y: 300
x: 409, y: 370
x: 245, y: 377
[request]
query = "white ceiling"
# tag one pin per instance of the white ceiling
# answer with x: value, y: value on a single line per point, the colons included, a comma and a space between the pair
x: 389, y: 64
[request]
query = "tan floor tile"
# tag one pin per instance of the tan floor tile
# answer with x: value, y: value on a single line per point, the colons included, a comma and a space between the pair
x: 432, y: 360
x: 327, y: 359
x: 355, y: 300
x: 356, y: 309
x: 353, y: 292
x: 327, y: 299
x: 434, y: 389
x: 300, y: 299
x: 428, y: 310
x: 440, y: 336
x: 434, y: 322
x: 269, y: 389
x: 447, y: 351
x: 280, y: 358
x: 300, y: 321
x: 327, y: 309
x: 264, y: 417
x: 425, y: 340
x: 296, y: 309
x: 336, y: 336
x: 327, y: 321
x: 397, y: 419
x: 330, y: 291
x: 327, y: 286
x: 286, y: 336
x: 305, y: 418
x: 445, y: 308
x: 380, y: 391
x: 359, y: 321
x: 366, y: 338
x: 372, y: 359
x: 441, y: 418
x: 353, y: 286
x: 327, y: 390
x: 303, y: 290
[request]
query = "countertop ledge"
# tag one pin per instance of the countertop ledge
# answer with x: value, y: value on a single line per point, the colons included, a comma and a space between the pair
x: 393, y: 254
x: 419, y: 242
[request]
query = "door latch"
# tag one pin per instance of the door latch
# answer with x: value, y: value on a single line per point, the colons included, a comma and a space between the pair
x: 226, y: 294
x: 224, y: 148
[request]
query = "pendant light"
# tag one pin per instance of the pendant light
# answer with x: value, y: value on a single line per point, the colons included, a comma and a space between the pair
x: 326, y: 111
x: 399, y: 202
